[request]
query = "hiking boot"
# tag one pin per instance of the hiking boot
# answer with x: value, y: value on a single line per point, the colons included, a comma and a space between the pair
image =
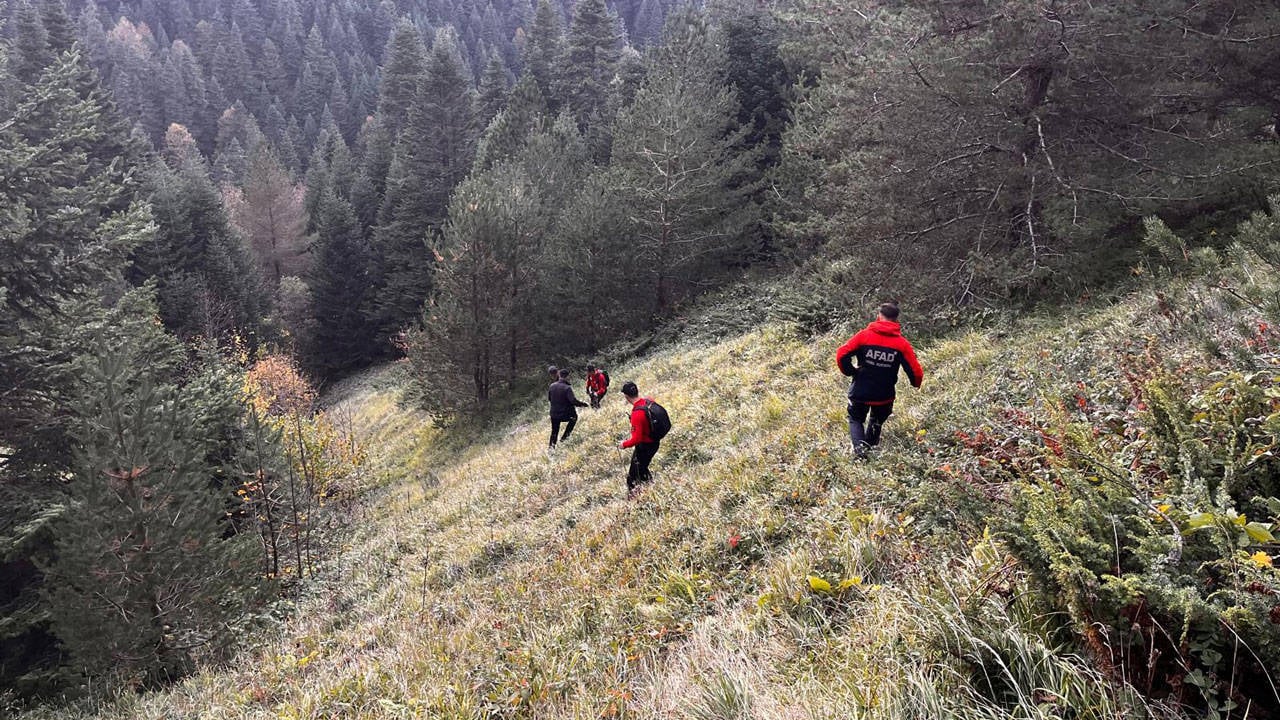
x: 861, y: 451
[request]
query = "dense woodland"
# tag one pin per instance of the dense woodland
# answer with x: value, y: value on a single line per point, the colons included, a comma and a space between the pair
x: 194, y: 188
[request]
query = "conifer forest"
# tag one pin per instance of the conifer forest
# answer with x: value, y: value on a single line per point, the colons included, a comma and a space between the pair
x: 281, y: 280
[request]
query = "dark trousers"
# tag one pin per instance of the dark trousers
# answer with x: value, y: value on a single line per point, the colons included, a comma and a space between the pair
x: 870, y: 436
x: 595, y: 399
x: 568, y: 428
x: 641, y: 456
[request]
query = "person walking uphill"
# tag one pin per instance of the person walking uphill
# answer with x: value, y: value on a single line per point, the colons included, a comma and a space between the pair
x: 563, y: 407
x: 879, y: 350
x: 649, y: 424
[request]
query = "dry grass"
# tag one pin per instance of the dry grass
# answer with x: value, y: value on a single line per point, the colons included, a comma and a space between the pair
x: 498, y: 582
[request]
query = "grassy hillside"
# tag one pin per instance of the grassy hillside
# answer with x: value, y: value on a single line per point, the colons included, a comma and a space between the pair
x: 765, y: 574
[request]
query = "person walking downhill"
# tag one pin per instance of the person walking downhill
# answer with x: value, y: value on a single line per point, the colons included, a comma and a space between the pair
x: 597, y: 385
x: 879, y: 350
x: 649, y: 424
x: 563, y: 407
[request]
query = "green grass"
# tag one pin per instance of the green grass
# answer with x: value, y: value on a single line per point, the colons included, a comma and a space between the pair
x: 763, y: 575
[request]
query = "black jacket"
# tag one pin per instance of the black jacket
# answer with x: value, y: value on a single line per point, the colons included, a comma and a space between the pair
x: 562, y: 400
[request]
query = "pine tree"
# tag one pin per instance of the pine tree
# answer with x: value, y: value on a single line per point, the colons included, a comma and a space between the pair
x: 31, y: 52
x: 492, y: 93
x: 678, y: 164
x: 433, y: 153
x: 342, y: 335
x: 147, y: 571
x: 584, y: 252
x: 468, y: 325
x: 510, y: 129
x: 59, y: 149
x: 591, y: 61
x: 203, y: 271
x: 544, y: 53
x: 404, y: 63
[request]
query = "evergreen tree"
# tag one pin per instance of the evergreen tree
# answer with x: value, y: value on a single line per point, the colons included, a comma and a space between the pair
x: 584, y: 253
x: 147, y: 571
x: 404, y: 63
x: 1012, y: 156
x: 492, y: 93
x: 591, y: 61
x: 31, y: 52
x: 467, y: 327
x: 342, y: 336
x: 507, y: 133
x: 375, y: 148
x: 544, y: 52
x: 432, y: 155
x: 67, y: 224
x: 648, y: 24
x: 678, y: 163
x: 317, y: 75
x: 58, y: 28
x: 203, y: 271
x: 755, y: 69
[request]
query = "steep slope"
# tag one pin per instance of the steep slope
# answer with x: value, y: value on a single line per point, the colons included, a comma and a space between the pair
x: 764, y: 575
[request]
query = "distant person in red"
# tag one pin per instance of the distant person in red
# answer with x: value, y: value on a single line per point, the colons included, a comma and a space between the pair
x: 597, y: 385
x: 646, y: 446
x: 872, y: 358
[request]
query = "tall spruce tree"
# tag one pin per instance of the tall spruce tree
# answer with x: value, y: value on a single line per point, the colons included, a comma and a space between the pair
x: 68, y: 221
x: 403, y: 65
x: 203, y: 270
x: 544, y: 53
x: 147, y: 571
x: 433, y: 153
x: 492, y: 91
x: 678, y: 165
x: 342, y: 336
x: 591, y: 61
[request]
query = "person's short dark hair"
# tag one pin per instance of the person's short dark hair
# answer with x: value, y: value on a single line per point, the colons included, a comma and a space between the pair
x: 564, y: 373
x: 630, y: 390
x: 552, y: 369
x: 590, y: 368
x: 889, y: 310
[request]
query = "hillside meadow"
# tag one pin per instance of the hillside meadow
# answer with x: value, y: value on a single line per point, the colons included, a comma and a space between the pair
x: 765, y: 574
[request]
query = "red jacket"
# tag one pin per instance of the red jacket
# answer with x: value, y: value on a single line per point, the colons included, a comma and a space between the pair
x: 639, y: 425
x: 596, y: 384
x: 879, y: 350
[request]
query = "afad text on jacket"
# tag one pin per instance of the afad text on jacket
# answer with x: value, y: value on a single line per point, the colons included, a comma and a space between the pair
x: 879, y: 350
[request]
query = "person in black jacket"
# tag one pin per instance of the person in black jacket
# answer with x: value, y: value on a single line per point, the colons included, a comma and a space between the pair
x: 563, y: 407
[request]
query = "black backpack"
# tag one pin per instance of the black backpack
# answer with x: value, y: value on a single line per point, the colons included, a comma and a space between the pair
x: 659, y: 420
x: 606, y: 377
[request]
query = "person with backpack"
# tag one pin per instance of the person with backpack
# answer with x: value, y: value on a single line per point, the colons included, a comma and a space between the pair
x: 597, y: 385
x: 563, y: 407
x: 649, y: 424
x: 879, y: 350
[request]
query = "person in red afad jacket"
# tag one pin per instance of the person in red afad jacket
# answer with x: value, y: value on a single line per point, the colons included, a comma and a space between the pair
x: 597, y: 385
x: 879, y: 350
x: 644, y: 443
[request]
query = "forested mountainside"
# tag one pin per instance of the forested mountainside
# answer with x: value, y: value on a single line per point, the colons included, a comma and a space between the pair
x: 212, y: 210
